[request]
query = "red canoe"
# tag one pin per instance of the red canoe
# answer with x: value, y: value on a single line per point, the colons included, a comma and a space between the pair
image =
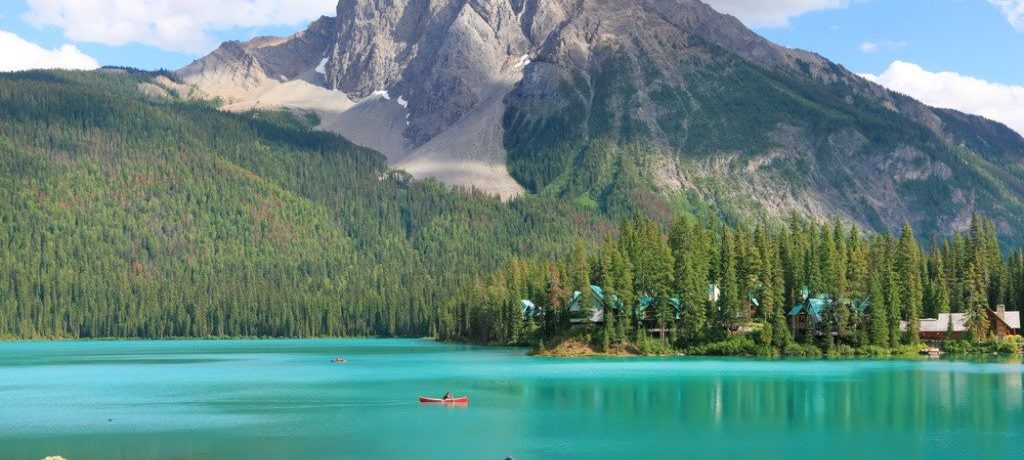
x: 460, y: 400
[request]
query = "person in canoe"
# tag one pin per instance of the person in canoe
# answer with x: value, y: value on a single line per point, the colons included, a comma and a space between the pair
x: 446, y: 399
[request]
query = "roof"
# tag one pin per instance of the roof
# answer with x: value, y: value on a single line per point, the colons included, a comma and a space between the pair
x: 815, y: 306
x: 861, y: 306
x: 597, y: 315
x: 1012, y: 319
x: 941, y: 324
x: 528, y: 308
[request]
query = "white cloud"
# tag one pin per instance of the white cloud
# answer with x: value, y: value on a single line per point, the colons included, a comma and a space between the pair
x: 772, y: 13
x: 995, y: 101
x: 20, y: 54
x: 1014, y: 11
x: 888, y: 45
x: 174, y: 25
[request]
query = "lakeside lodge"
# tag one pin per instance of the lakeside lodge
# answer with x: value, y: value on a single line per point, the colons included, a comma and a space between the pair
x: 812, y: 312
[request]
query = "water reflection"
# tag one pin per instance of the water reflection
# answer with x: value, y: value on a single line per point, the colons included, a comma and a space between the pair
x: 929, y: 409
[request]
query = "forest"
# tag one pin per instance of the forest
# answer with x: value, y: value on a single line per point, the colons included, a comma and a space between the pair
x: 707, y: 288
x: 126, y: 216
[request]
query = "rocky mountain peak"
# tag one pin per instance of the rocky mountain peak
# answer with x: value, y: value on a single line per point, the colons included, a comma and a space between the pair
x: 623, y: 103
x: 444, y: 58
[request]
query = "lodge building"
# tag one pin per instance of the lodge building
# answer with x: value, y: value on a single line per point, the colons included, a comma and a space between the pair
x: 1002, y: 323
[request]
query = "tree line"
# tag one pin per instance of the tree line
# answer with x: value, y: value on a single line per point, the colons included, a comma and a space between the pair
x: 706, y: 280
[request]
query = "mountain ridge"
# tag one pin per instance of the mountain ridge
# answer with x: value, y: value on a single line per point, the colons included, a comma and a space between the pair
x: 712, y: 115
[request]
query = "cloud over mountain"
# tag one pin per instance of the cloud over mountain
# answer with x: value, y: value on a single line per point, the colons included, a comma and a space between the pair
x: 775, y: 13
x: 1000, y: 102
x: 173, y: 25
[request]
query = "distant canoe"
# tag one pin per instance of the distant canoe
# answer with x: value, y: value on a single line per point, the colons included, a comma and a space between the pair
x: 460, y: 400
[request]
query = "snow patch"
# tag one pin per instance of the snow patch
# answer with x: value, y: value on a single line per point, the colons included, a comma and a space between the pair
x: 402, y: 102
x: 524, y: 61
x: 321, y: 68
x: 283, y: 78
x: 382, y: 93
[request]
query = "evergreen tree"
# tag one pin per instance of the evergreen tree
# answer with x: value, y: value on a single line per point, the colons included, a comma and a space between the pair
x: 623, y: 276
x: 581, y: 281
x: 857, y: 256
x: 729, y: 305
x: 976, y: 303
x: 690, y: 279
x: 908, y: 270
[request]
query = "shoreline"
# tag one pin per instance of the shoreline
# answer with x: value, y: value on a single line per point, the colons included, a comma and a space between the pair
x: 571, y: 349
x: 574, y: 348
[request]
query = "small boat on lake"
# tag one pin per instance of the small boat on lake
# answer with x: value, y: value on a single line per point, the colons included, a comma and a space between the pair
x: 459, y: 400
x: 339, y: 360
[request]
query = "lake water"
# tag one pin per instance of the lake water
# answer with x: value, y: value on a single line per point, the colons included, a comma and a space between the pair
x: 285, y: 400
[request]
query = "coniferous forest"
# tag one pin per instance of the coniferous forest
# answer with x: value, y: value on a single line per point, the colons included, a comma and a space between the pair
x: 122, y: 216
x: 127, y: 216
x: 708, y: 288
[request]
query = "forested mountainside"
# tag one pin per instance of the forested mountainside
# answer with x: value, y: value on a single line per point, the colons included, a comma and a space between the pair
x: 123, y: 215
x: 660, y: 106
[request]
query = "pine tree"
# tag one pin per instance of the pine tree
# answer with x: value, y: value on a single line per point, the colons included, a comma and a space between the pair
x: 690, y: 282
x: 857, y: 257
x: 581, y: 282
x: 908, y: 270
x: 978, y: 325
x: 729, y: 300
x: 839, y: 262
x: 764, y: 289
x: 610, y: 285
x: 554, y: 313
x: 826, y: 279
x: 878, y: 325
x: 781, y: 335
x: 939, y: 290
x: 623, y: 275
x: 892, y: 295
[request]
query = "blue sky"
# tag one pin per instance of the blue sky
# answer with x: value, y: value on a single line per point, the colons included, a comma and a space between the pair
x: 970, y: 37
x: 964, y: 54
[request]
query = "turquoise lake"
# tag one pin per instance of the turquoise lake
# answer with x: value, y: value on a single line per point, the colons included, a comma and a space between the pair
x: 283, y: 399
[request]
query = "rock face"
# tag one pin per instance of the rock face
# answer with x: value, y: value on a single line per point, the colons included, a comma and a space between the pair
x: 628, y: 104
x: 437, y: 61
x: 236, y: 70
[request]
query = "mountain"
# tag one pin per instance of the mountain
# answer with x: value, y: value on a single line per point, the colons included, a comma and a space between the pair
x: 664, y: 106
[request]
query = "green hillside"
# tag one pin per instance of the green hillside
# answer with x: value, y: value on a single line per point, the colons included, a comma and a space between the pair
x: 133, y: 217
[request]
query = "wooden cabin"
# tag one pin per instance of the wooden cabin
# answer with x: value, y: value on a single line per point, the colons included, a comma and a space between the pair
x: 809, y: 314
x: 598, y: 303
x: 1002, y: 323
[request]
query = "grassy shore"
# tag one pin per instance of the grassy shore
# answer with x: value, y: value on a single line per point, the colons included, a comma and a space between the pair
x: 581, y: 345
